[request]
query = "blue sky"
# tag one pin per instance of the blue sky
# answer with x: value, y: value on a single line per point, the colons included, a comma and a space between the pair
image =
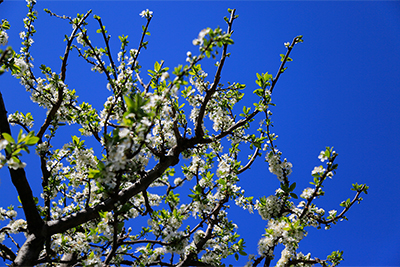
x: 341, y: 90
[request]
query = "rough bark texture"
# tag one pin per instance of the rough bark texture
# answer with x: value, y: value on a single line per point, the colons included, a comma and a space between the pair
x: 29, y: 252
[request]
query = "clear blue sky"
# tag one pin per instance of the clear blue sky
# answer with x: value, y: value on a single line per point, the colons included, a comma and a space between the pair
x: 341, y: 90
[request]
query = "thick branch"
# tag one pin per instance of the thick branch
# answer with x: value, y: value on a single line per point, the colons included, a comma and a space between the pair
x: 29, y: 252
x: 20, y: 182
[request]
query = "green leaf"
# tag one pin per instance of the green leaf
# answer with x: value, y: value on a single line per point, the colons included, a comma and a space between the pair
x: 292, y: 187
x: 32, y: 140
x: 75, y: 140
x: 157, y: 66
x: 8, y: 138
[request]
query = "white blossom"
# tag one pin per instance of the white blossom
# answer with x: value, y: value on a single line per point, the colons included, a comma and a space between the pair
x: 3, y: 144
x: 178, y: 181
x: 322, y: 156
x: 146, y: 14
x: 200, y: 38
x: 15, y: 164
x: 22, y: 35
x: 270, y: 209
x: 11, y: 214
x: 164, y: 76
x: 3, y: 38
x: 20, y: 62
x: 17, y: 225
x: 319, y: 170
x: 277, y: 167
x: 307, y: 193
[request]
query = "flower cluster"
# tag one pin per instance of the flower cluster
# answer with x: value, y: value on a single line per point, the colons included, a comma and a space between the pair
x: 200, y: 39
x: 3, y: 38
x: 268, y: 207
x: 281, y: 231
x: 146, y: 14
x: 21, y: 119
x: 281, y: 169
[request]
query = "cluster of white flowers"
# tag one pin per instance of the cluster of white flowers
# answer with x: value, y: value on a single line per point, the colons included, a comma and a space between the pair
x: 319, y: 170
x: 200, y: 38
x: 46, y: 95
x: 17, y: 226
x: 199, y: 83
x: 13, y: 162
x: 20, y: 118
x: 178, y: 181
x: 16, y: 164
x: 93, y: 259
x: 241, y: 201
x: 189, y: 57
x: 114, y: 104
x: 164, y: 76
x: 280, y: 231
x: 196, y: 167
x: 163, y: 130
x: 332, y: 213
x: 23, y: 65
x: 84, y: 160
x: 307, y: 193
x: 311, y: 214
x: 100, y: 64
x: 80, y: 39
x: 2, y: 214
x: 72, y: 242
x: 277, y: 167
x: 270, y: 209
x: 3, y: 38
x: 11, y: 214
x: 3, y: 144
x: 146, y: 14
x: 322, y: 156
x: 224, y: 166
x: 221, y: 118
x: 149, y: 256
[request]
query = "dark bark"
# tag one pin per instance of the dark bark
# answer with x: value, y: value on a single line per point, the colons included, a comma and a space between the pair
x: 29, y: 252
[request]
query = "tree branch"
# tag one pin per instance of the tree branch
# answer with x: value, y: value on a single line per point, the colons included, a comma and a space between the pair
x: 6, y: 253
x: 281, y: 68
x: 20, y: 182
x: 199, y: 121
x: 57, y: 105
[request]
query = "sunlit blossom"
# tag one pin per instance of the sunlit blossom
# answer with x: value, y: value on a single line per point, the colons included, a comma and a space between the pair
x: 146, y: 14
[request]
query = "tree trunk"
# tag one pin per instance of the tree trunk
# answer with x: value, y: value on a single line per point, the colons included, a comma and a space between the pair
x: 29, y: 252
